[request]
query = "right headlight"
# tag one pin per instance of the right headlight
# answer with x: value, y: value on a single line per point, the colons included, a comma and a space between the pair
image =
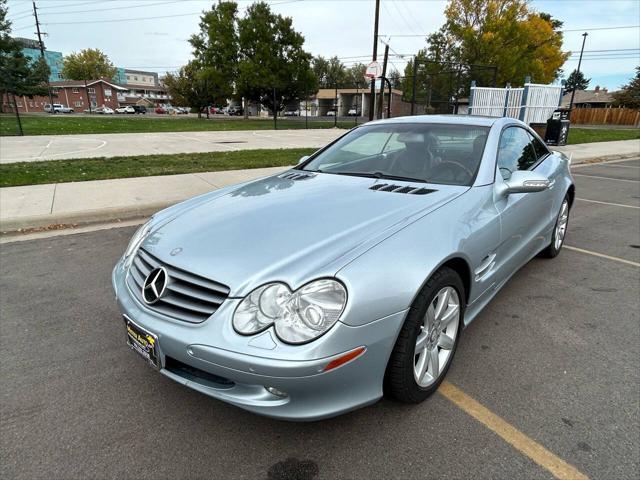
x: 297, y: 317
x: 137, y: 239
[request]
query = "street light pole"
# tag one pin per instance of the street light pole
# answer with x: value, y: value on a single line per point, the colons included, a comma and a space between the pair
x: 573, y: 90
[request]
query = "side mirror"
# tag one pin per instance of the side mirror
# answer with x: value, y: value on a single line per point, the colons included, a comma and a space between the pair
x: 303, y: 159
x: 524, y: 181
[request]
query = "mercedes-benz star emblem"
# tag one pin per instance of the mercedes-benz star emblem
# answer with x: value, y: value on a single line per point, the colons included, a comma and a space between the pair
x: 155, y: 285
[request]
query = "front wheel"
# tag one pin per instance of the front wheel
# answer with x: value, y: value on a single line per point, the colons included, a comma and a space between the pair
x: 428, y: 339
x: 559, y: 231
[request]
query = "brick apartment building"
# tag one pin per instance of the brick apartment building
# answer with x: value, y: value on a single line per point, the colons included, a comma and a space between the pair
x: 73, y: 94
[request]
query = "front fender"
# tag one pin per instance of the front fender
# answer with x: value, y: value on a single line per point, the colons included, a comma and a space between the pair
x: 386, y: 278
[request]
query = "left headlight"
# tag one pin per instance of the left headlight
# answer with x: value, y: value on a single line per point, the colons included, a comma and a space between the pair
x: 298, y: 316
x: 137, y: 239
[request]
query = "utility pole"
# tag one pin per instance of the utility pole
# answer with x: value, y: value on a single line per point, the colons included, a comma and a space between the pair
x: 573, y: 91
x: 35, y: 14
x: 414, y: 83
x: 384, y: 75
x: 375, y: 57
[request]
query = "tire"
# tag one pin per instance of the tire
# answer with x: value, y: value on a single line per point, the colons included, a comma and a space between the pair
x: 401, y: 378
x: 559, y: 231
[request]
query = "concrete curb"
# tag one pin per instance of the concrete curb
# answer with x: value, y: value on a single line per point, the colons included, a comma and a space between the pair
x: 605, y: 158
x: 69, y: 220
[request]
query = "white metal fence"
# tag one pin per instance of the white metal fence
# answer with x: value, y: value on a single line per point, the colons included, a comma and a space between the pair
x: 532, y: 103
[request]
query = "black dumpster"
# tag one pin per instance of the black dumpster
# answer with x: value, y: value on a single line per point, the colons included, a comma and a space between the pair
x: 558, y: 127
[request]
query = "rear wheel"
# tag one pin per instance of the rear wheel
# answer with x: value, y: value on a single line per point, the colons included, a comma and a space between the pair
x: 559, y: 231
x: 428, y: 339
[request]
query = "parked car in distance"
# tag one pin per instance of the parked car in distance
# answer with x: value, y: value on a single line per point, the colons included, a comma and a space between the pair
x: 292, y: 113
x: 126, y: 109
x: 58, y: 108
x: 331, y: 113
x: 314, y: 291
x: 236, y: 110
x: 140, y: 109
x: 353, y: 112
x: 181, y: 110
x: 160, y: 110
x: 100, y: 110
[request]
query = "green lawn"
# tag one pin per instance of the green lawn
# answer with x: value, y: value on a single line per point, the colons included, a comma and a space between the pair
x: 75, y: 124
x: 590, y: 135
x: 56, y: 171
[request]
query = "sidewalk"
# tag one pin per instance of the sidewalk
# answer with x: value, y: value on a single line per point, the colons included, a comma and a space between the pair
x: 601, y: 151
x: 61, y: 147
x: 108, y: 200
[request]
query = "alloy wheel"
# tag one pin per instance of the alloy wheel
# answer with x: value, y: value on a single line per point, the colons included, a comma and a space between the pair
x: 561, y: 225
x: 437, y: 337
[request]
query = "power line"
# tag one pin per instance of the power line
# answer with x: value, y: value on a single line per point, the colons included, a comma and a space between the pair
x: 114, y: 8
x: 76, y: 4
x: 572, y: 30
x: 406, y: 22
x: 125, y: 19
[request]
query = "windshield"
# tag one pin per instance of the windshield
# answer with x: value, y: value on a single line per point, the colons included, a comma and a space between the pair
x: 432, y: 153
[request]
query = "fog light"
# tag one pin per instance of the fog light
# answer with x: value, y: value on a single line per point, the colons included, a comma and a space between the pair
x: 276, y: 392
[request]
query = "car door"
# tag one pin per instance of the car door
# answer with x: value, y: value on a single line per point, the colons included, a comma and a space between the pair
x: 524, y: 217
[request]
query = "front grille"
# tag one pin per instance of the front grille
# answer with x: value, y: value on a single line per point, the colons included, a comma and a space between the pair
x: 188, y: 297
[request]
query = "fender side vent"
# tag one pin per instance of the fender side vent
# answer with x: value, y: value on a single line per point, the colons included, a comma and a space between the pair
x: 384, y: 187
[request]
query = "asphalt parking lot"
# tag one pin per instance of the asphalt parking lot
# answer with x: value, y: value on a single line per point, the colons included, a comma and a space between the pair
x: 555, y: 358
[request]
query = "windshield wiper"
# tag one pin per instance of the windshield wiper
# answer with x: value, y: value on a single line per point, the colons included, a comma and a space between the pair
x: 380, y: 175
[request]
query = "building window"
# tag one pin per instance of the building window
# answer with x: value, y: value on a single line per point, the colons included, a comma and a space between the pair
x: 77, y: 103
x: 54, y: 91
x: 107, y: 92
x: 31, y: 104
x: 128, y: 77
x: 135, y: 78
x: 60, y: 75
x: 74, y: 90
x: 19, y: 104
x: 91, y: 90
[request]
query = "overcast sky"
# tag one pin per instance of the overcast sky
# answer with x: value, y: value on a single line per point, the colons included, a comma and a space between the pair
x: 330, y: 27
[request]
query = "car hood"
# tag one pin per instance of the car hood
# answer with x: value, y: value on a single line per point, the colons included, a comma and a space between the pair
x: 287, y: 229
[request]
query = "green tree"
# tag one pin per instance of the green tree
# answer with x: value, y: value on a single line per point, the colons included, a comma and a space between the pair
x: 18, y: 75
x: 88, y: 64
x: 576, y: 81
x: 355, y: 76
x: 194, y: 86
x: 396, y: 79
x: 272, y: 57
x: 506, y: 34
x: 329, y: 73
x: 215, y: 49
x: 629, y: 95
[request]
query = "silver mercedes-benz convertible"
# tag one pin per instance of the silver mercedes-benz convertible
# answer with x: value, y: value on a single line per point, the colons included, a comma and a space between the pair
x: 315, y: 291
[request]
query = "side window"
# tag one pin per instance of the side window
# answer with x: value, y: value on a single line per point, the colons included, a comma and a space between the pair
x: 539, y: 147
x: 515, y: 151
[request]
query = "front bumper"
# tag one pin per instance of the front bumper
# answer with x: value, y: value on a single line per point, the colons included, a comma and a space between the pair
x: 240, y: 367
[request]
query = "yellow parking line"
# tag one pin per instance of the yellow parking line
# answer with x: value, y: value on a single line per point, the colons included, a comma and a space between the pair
x: 607, y: 203
x: 514, y: 437
x: 602, y: 255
